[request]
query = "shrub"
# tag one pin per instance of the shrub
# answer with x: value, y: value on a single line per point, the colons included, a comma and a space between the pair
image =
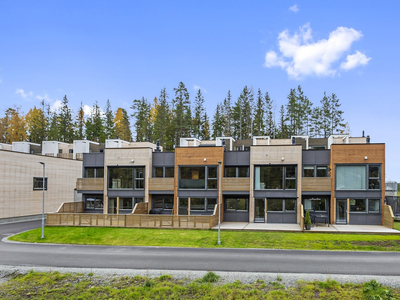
x: 307, y: 219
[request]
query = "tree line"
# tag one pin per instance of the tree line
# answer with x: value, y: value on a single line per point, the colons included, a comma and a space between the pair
x: 168, y: 119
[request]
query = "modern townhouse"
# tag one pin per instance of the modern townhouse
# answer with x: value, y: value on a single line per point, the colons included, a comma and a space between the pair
x: 338, y: 179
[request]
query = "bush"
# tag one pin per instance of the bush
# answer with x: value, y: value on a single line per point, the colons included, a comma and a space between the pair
x: 210, y: 277
x: 307, y: 219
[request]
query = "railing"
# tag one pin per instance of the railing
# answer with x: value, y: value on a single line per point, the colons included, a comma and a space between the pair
x: 90, y: 184
x: 388, y: 217
x: 71, y: 207
x: 133, y: 220
x: 235, y: 184
x: 141, y: 208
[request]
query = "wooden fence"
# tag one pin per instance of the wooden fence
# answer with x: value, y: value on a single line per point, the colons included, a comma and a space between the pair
x: 141, y: 208
x: 301, y: 217
x: 387, y: 216
x: 133, y: 220
x: 71, y: 207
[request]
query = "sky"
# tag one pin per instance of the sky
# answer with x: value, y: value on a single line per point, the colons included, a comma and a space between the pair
x: 124, y: 50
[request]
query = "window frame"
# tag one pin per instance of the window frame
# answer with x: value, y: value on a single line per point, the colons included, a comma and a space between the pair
x: 236, y: 204
x: 367, y: 178
x: 95, y: 172
x: 206, y: 177
x: 40, y: 180
x: 284, y: 178
x: 284, y: 210
x: 315, y: 171
x: 134, y: 178
x: 237, y: 171
x: 164, y: 171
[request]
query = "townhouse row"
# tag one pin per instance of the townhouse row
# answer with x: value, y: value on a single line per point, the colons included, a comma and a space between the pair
x: 339, y: 179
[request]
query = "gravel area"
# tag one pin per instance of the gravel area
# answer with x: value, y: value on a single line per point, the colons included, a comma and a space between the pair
x: 288, y: 279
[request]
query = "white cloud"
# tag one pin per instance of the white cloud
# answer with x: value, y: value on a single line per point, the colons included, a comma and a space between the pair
x: 22, y: 93
x: 301, y: 56
x: 196, y: 87
x: 294, y: 8
x: 55, y: 106
x: 355, y: 60
x: 45, y: 97
x: 87, y: 110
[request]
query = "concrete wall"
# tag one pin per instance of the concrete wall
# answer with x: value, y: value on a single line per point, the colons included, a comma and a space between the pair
x: 17, y: 197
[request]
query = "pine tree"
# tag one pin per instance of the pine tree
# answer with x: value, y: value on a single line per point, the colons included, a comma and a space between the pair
x: 142, y: 119
x: 66, y: 128
x: 258, y: 126
x: 242, y: 115
x: 336, y: 119
x: 163, y: 129
x: 227, y: 114
x: 283, y: 127
x: 122, y: 125
x: 316, y: 121
x: 182, y: 113
x: 3, y: 129
x: 206, y: 128
x: 53, y: 129
x: 198, y: 120
x: 218, y: 122
x: 270, y: 126
x: 80, y: 123
x: 94, y: 125
x: 109, y: 130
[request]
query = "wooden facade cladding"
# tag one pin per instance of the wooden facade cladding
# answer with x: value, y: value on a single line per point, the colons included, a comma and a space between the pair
x: 235, y: 184
x: 361, y: 154
x: 197, y: 156
x: 317, y: 184
x: 89, y: 184
x: 161, y: 184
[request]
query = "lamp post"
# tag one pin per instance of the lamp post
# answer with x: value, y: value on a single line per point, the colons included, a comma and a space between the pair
x: 219, y: 202
x: 44, y: 167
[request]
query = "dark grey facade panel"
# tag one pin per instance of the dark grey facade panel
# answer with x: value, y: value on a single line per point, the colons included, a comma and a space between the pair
x: 91, y: 192
x: 197, y: 194
x: 161, y: 192
x: 358, y: 194
x: 93, y: 159
x: 288, y: 218
x: 275, y: 194
x: 365, y: 219
x: 161, y: 159
x: 237, y: 158
x: 236, y: 216
x: 125, y: 193
x: 316, y: 157
x: 244, y: 193
x: 314, y: 193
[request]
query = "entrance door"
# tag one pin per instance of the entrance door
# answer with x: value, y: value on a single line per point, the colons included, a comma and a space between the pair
x: 259, y: 211
x: 341, y: 211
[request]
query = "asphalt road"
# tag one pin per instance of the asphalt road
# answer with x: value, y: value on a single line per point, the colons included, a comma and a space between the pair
x: 164, y: 258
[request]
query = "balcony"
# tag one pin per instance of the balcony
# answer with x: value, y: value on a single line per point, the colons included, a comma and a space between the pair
x: 236, y: 184
x: 161, y: 184
x: 90, y: 184
x: 316, y: 184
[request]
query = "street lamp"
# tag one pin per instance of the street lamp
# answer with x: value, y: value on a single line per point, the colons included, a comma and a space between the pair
x: 219, y: 203
x: 44, y: 167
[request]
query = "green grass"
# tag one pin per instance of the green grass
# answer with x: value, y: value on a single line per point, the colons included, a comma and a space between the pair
x: 208, y: 239
x: 54, y: 285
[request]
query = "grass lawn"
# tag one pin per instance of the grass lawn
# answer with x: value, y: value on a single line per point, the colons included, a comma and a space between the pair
x: 78, y: 286
x: 208, y: 238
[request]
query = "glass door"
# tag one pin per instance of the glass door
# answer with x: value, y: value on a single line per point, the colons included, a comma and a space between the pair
x: 341, y: 211
x: 259, y: 211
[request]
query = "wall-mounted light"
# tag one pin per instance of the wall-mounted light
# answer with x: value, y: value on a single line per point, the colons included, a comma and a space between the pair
x: 366, y: 157
x: 205, y: 159
x: 132, y: 160
x: 282, y: 158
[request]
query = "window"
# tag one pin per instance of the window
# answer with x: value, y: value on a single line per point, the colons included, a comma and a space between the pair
x: 94, y: 172
x: 160, y: 172
x: 95, y: 202
x: 60, y: 151
x: 373, y: 205
x: 236, y: 204
x: 315, y: 171
x: 126, y: 203
x: 281, y: 205
x: 237, y: 172
x: 197, y: 204
x: 275, y: 177
x: 38, y: 183
x: 357, y: 205
x: 373, y: 177
x: 71, y: 151
x: 164, y: 203
x: 355, y: 177
x: 315, y: 204
x: 126, y: 178
x: 198, y: 177
x: 211, y: 202
x: 183, y: 206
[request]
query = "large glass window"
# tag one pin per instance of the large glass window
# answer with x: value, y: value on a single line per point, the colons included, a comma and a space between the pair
x: 275, y: 177
x: 281, y: 205
x: 94, y: 172
x: 160, y: 172
x: 125, y: 203
x: 350, y: 177
x: 94, y: 203
x: 125, y: 178
x: 315, y: 171
x: 315, y: 204
x: 198, y: 177
x: 197, y: 204
x: 211, y: 202
x: 236, y: 204
x: 357, y: 205
x: 38, y: 183
x: 237, y: 172
x: 373, y: 205
x: 164, y: 203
